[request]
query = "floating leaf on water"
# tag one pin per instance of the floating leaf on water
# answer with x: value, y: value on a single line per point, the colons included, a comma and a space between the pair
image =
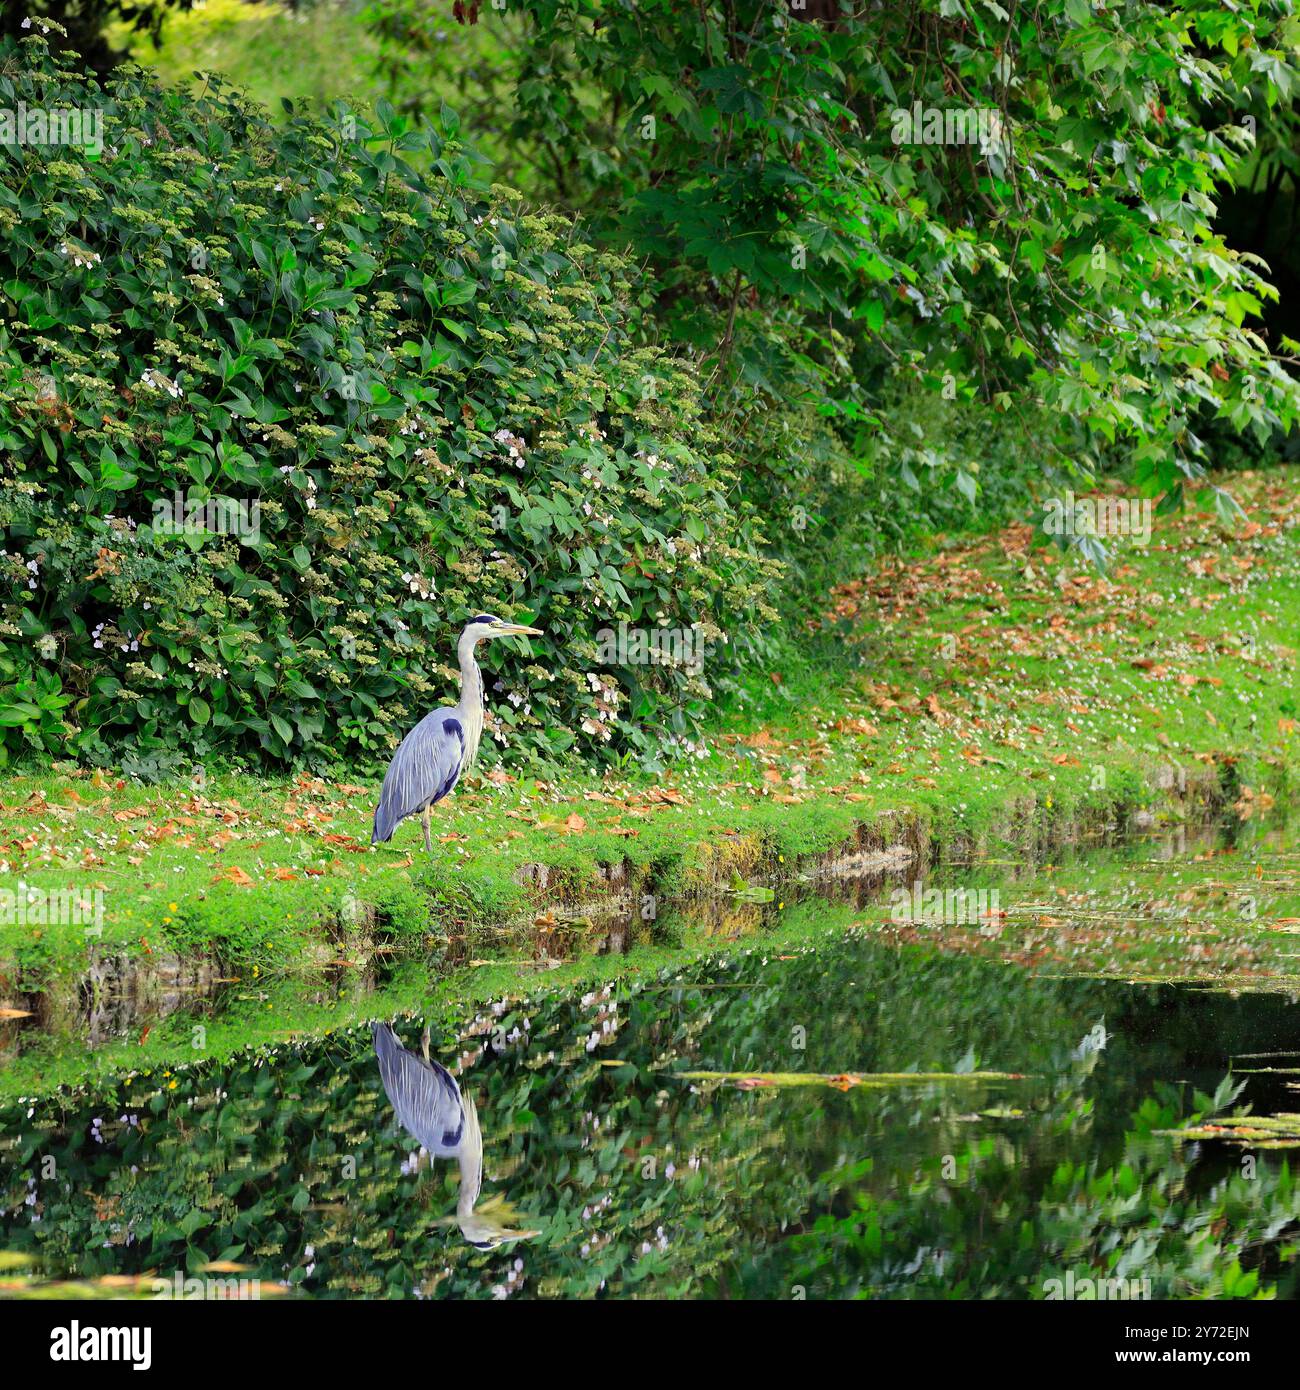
x: 846, y: 1081
x: 1253, y: 1131
x: 750, y: 893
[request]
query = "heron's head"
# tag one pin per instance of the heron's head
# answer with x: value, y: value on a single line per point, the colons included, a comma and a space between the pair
x: 492, y: 1224
x: 486, y: 625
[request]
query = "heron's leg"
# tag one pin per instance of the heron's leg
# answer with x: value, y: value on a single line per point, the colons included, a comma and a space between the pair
x: 424, y: 821
x: 424, y: 1042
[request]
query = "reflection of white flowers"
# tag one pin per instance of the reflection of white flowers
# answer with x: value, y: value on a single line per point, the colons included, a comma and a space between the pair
x: 514, y: 1281
x: 411, y: 1164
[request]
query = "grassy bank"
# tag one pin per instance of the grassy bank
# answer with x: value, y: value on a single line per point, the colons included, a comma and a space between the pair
x: 1217, y: 910
x: 978, y: 691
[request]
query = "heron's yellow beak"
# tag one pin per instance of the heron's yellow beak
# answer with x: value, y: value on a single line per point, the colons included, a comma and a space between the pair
x: 518, y: 630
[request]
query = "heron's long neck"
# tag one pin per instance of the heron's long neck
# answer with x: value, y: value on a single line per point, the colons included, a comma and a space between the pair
x: 469, y: 1181
x: 471, y: 698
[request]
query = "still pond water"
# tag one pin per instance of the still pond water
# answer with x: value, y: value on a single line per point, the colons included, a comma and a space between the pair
x: 1035, y: 1162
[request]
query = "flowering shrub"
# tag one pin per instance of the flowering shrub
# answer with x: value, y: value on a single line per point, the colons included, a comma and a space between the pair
x: 420, y: 399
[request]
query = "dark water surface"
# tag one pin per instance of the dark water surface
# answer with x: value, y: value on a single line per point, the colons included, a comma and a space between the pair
x: 286, y: 1168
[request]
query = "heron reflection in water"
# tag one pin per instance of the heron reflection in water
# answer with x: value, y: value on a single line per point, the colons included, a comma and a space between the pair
x: 436, y: 1114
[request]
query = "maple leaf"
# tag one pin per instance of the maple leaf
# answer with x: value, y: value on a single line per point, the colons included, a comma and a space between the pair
x: 666, y: 795
x: 762, y: 739
x: 857, y: 726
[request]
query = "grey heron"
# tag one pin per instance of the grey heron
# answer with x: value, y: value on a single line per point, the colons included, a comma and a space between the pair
x: 437, y: 1114
x: 430, y: 760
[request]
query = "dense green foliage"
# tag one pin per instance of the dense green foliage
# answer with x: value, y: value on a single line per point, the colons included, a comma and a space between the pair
x: 437, y: 401
x: 803, y: 234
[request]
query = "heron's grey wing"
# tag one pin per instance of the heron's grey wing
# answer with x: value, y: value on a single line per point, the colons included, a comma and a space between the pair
x: 425, y: 768
x: 424, y: 1094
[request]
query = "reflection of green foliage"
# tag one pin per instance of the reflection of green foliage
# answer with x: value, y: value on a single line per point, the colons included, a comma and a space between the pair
x: 1139, y: 1219
x: 287, y: 1159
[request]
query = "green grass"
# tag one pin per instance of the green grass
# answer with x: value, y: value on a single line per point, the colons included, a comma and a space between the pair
x: 984, y: 689
x: 319, y: 53
x: 327, y: 50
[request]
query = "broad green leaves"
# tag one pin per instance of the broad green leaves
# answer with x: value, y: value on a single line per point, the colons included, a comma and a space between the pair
x: 423, y: 397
